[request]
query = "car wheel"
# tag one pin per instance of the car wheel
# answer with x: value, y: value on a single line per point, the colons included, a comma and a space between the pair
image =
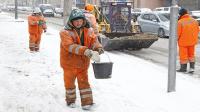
x: 161, y: 33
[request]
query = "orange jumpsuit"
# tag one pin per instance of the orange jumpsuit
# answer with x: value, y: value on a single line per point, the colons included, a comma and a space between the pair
x: 35, y: 31
x: 75, y: 64
x: 188, y: 30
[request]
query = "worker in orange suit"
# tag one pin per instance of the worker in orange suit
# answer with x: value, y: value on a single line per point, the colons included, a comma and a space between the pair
x: 36, y: 25
x: 89, y: 8
x: 188, y: 30
x: 78, y: 45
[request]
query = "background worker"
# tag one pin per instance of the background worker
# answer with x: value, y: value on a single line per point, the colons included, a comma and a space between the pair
x: 36, y: 25
x: 89, y: 8
x: 78, y: 45
x: 188, y: 30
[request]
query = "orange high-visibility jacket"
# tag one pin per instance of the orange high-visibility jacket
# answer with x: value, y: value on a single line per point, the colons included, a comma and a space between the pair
x: 33, y: 26
x: 188, y: 30
x: 72, y: 52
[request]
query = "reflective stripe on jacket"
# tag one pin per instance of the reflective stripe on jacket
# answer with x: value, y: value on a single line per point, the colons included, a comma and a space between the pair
x: 188, y: 30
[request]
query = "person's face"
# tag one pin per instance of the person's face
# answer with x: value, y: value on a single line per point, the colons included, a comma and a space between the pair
x: 77, y: 23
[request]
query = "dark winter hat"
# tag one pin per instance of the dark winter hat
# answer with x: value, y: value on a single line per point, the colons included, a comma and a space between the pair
x: 183, y: 11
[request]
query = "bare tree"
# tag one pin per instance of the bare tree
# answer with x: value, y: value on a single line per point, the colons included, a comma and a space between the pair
x: 67, y: 10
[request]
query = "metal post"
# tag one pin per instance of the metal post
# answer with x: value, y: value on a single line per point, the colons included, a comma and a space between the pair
x: 67, y: 10
x: 16, y: 13
x: 172, y: 47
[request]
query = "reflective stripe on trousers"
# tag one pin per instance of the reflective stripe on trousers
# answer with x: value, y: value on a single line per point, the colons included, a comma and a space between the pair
x: 34, y: 41
x: 86, y: 96
x: 70, y: 96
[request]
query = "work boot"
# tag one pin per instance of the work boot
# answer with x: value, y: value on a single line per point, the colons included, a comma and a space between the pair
x: 191, y: 70
x: 32, y: 49
x: 88, y: 107
x: 183, y: 68
x: 37, y: 49
x: 71, y: 105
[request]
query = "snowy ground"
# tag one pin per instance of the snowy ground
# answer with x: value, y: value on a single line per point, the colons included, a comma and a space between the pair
x: 33, y: 82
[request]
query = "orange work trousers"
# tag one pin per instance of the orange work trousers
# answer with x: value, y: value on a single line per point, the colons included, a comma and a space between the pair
x: 70, y: 75
x: 186, y: 54
x: 34, y: 41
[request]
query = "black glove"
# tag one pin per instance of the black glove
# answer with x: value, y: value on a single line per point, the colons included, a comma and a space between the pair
x: 100, y: 51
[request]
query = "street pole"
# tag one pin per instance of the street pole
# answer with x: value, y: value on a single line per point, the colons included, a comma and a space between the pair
x: 67, y: 8
x: 16, y: 13
x: 172, y: 47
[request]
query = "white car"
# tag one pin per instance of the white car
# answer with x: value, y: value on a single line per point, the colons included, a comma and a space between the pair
x: 196, y: 15
x: 59, y: 11
x: 48, y: 12
x: 138, y: 11
x: 154, y: 23
x: 162, y: 10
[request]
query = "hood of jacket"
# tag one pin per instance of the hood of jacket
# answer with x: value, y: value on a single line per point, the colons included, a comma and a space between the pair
x: 76, y: 13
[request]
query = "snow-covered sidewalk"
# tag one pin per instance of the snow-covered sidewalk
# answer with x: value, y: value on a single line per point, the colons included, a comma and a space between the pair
x: 33, y: 82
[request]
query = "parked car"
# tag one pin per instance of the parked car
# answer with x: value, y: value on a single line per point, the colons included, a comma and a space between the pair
x: 10, y: 8
x: 137, y: 12
x: 154, y: 23
x: 47, y: 10
x: 59, y: 11
x: 162, y: 10
x: 196, y: 15
x: 48, y: 13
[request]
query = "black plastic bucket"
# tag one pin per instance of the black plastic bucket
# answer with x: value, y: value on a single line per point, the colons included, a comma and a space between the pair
x: 102, y: 70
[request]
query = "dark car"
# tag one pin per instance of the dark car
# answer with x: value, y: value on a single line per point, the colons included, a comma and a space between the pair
x: 47, y: 10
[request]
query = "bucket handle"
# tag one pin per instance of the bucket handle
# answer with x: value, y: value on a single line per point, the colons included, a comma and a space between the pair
x: 107, y: 56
